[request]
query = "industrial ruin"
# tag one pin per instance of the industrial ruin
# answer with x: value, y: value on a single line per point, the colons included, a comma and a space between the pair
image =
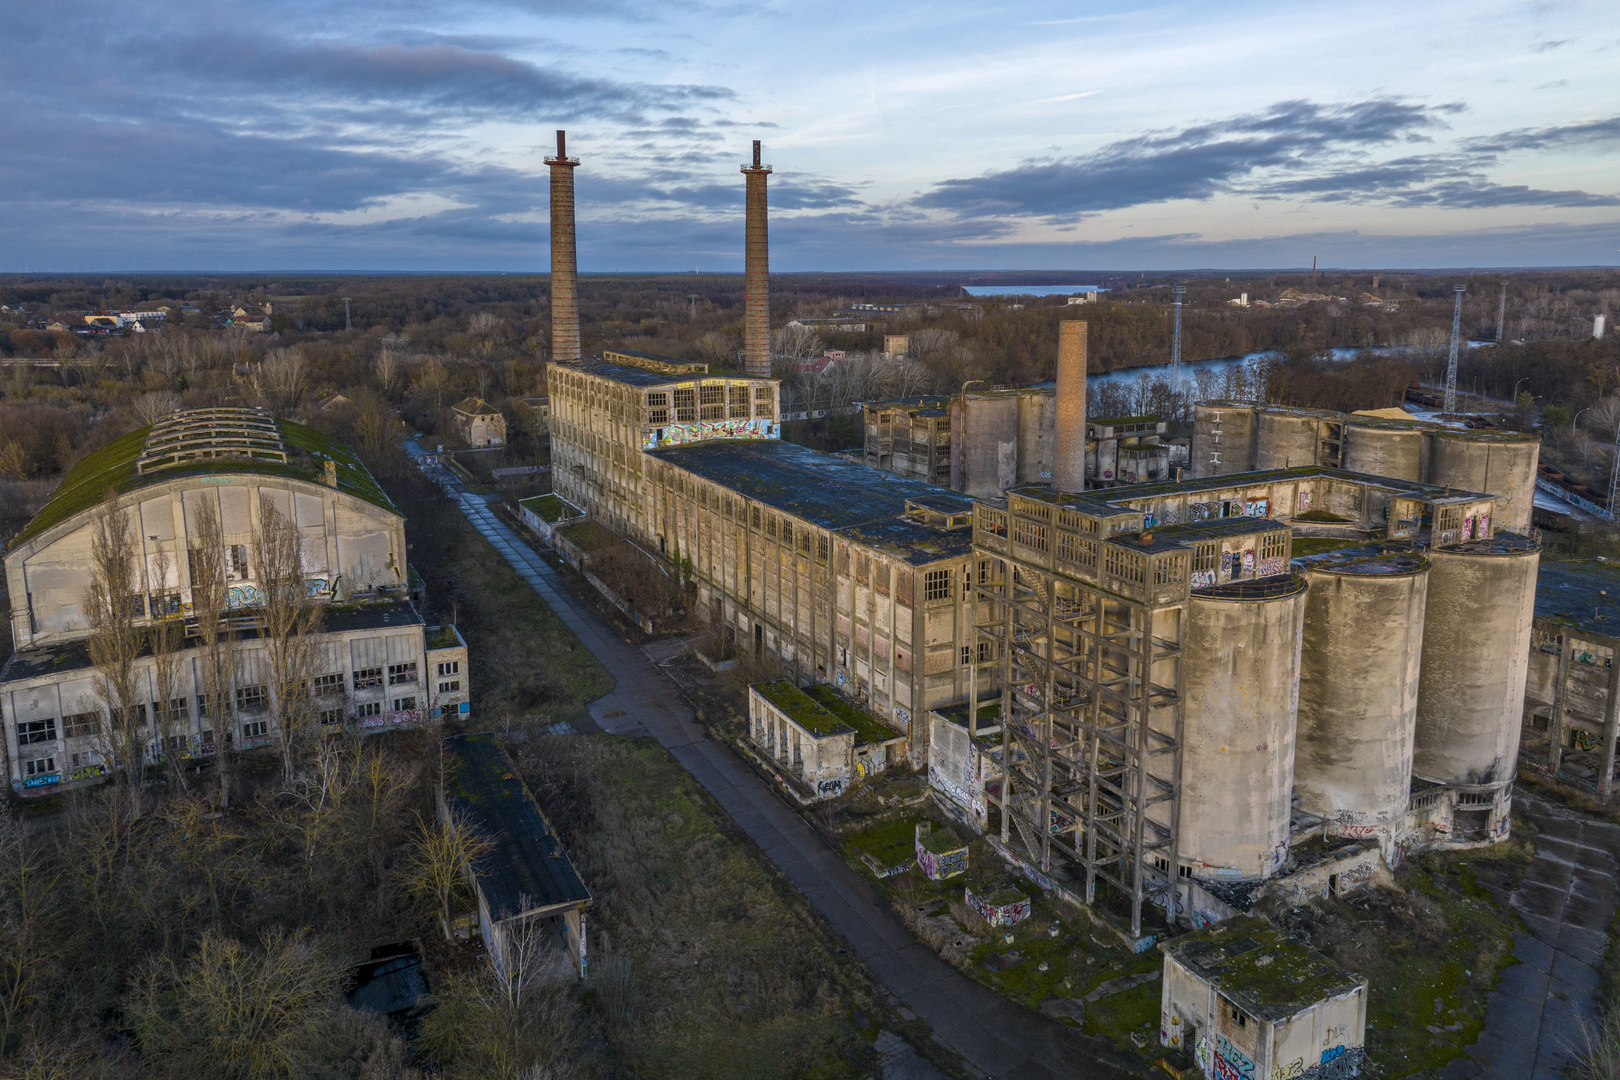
x: 1277, y: 671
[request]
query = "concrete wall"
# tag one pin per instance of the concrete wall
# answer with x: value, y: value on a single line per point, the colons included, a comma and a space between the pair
x: 1226, y: 432
x: 984, y: 444
x: 1476, y: 654
x: 1037, y: 424
x: 1237, y: 769
x: 1285, y: 439
x: 1363, y: 637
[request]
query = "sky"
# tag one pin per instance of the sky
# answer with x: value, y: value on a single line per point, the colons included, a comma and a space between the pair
x: 400, y: 135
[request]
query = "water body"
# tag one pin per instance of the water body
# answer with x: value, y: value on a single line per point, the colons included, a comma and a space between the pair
x: 1218, y: 365
x: 1030, y: 290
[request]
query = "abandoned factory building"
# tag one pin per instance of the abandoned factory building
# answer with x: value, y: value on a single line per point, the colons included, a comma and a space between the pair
x: 376, y: 664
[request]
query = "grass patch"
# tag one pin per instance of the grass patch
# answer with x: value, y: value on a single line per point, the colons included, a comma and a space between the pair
x: 1430, y: 951
x: 589, y: 535
x: 1315, y: 545
x: 1135, y: 1010
x: 713, y: 965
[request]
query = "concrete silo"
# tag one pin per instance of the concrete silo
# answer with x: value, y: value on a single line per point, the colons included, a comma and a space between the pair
x: 1286, y: 438
x: 1386, y: 449
x: 1501, y: 463
x: 1476, y: 653
x: 1223, y: 438
x: 1358, y: 687
x: 1241, y: 684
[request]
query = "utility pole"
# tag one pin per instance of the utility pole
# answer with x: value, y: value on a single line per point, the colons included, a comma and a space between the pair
x: 1501, y: 313
x: 1614, y: 479
x: 1313, y: 271
x: 694, y: 297
x: 1175, y: 339
x: 1451, y: 365
x: 348, y: 323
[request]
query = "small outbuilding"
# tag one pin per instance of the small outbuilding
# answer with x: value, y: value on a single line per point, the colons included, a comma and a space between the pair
x: 1245, y: 1001
x: 818, y: 736
x: 479, y: 423
x: 530, y: 899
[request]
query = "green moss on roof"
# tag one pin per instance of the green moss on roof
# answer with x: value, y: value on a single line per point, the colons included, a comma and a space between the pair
x: 802, y: 709
x: 940, y: 840
x: 550, y: 508
x: 1257, y: 968
x: 442, y: 637
x: 867, y: 729
x: 112, y: 468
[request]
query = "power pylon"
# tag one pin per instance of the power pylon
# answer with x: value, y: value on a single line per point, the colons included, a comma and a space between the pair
x: 1501, y: 314
x: 1175, y: 339
x: 1451, y: 365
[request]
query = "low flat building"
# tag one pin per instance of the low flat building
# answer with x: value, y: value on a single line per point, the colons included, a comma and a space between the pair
x: 821, y: 740
x: 479, y: 423
x: 1245, y: 1002
x: 1126, y: 450
x: 530, y: 899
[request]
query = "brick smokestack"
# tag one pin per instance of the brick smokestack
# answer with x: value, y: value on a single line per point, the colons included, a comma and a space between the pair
x: 756, y: 275
x: 1069, y: 465
x: 564, y: 258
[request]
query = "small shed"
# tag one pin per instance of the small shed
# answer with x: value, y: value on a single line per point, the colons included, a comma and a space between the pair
x: 941, y: 853
x: 999, y: 906
x: 528, y: 892
x: 543, y: 513
x: 1247, y: 1002
x: 818, y: 736
x: 479, y: 423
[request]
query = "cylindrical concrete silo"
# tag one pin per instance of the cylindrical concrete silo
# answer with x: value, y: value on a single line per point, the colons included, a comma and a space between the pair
x: 1476, y: 654
x: 1358, y: 686
x: 1237, y: 762
x: 1501, y: 463
x: 1285, y: 438
x: 1223, y: 438
x: 1385, y: 449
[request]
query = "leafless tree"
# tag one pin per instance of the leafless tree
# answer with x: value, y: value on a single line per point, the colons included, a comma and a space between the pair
x: 26, y: 907
x: 166, y: 638
x: 210, y: 605
x: 281, y: 378
x: 929, y: 342
x: 795, y: 343
x: 386, y: 365
x: 116, y: 602
x: 289, y: 619
x: 156, y: 405
x: 441, y: 862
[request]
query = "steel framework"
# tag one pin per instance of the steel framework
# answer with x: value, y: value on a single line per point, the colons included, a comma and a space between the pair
x: 1451, y: 365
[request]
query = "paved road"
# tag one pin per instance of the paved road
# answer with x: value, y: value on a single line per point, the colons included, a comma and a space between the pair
x: 1003, y: 1040
x: 1534, y: 1018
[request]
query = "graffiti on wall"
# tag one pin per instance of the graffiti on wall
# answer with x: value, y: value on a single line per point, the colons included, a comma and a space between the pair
x: 681, y: 434
x: 1230, y: 1062
x: 1338, y: 1063
x: 1272, y: 566
x: 831, y: 789
x: 999, y: 914
x: 1203, y: 579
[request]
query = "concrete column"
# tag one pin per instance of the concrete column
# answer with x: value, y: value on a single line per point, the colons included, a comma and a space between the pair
x: 1069, y: 458
x: 756, y: 274
x: 1555, y: 726
x: 564, y: 257
x: 1611, y: 728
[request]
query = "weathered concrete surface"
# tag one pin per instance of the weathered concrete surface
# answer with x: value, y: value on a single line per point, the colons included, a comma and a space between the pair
x: 1534, y: 1018
x: 1495, y: 462
x: 1385, y: 450
x: 996, y: 1037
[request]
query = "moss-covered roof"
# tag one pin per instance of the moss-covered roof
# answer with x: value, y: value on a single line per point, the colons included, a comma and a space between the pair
x: 443, y: 637
x: 551, y: 508
x: 940, y: 839
x: 1258, y: 969
x: 802, y: 709
x: 867, y: 729
x: 112, y: 468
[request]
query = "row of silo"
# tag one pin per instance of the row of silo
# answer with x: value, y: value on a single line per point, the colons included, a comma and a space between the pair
x: 1233, y: 437
x: 1340, y: 683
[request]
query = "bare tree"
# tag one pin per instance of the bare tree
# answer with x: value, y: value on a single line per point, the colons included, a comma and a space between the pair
x: 210, y: 605
x: 386, y: 365
x: 26, y: 907
x: 281, y: 378
x: 156, y: 405
x: 115, y: 603
x: 288, y: 622
x: 794, y: 342
x: 441, y: 864
x: 166, y: 638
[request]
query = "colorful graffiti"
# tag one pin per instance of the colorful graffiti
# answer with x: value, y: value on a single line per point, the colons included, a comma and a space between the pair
x: 831, y: 789
x: 242, y: 596
x: 1203, y: 579
x: 1248, y: 561
x: 1008, y: 914
x: 681, y: 434
x: 43, y: 781
x: 1291, y: 1071
x: 1257, y: 508
x: 1230, y: 1062
x: 1339, y: 1063
x: 1273, y: 566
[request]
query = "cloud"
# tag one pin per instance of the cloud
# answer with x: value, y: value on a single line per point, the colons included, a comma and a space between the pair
x: 1295, y: 150
x: 1196, y: 162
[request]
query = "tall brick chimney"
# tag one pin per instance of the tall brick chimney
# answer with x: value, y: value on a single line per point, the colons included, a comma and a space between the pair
x: 756, y: 275
x: 564, y: 259
x: 1069, y: 463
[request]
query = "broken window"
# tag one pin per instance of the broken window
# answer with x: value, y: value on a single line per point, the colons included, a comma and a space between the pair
x: 685, y: 405
x: 367, y: 677
x: 937, y: 585
x: 658, y: 409
x: 713, y: 401
x: 250, y: 697
x: 329, y: 684
x: 764, y: 403
x: 80, y: 725
x: 739, y: 401
x: 36, y: 731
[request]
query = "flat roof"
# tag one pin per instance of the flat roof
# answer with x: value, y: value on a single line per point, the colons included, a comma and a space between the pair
x: 1124, y: 495
x: 1254, y: 966
x: 829, y: 492
x: 1584, y: 594
x: 524, y: 868
x: 639, y: 376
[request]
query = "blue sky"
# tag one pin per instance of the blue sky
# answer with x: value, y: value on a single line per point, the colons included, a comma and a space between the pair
x: 400, y: 135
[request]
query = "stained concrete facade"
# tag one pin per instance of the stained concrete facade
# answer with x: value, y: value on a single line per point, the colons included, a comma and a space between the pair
x: 1230, y: 437
x: 1572, y: 693
x: 479, y: 423
x: 374, y: 656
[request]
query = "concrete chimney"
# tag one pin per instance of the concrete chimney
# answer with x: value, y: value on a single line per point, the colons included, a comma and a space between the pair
x: 1069, y: 460
x: 564, y: 258
x: 756, y: 275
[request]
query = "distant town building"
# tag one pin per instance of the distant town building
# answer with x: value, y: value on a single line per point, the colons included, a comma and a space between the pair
x: 835, y: 324
x: 896, y: 346
x: 479, y: 423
